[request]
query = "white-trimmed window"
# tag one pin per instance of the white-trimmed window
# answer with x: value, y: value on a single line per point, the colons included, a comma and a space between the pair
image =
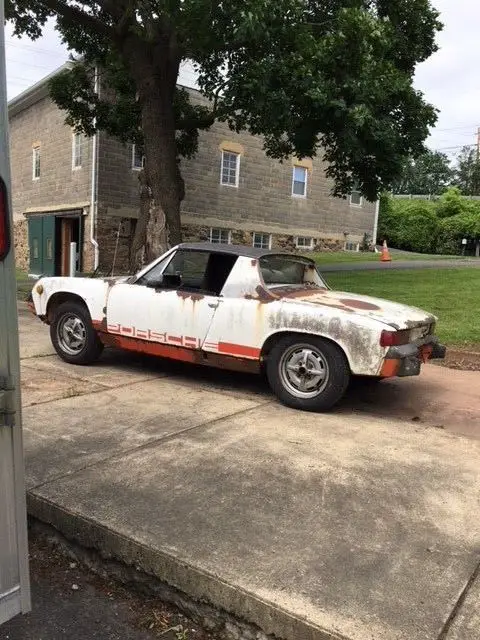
x: 78, y: 150
x: 262, y: 240
x: 230, y: 170
x: 138, y: 157
x: 36, y: 162
x: 220, y: 236
x: 299, y: 182
x: 351, y: 246
x: 356, y: 199
x: 302, y: 242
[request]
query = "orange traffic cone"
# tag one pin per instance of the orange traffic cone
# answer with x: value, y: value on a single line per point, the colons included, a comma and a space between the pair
x: 385, y: 255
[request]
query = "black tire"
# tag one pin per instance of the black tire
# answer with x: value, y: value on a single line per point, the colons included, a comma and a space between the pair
x: 85, y: 346
x: 323, y: 393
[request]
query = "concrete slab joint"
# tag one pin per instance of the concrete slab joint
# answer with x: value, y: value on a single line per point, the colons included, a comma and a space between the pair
x: 265, y: 521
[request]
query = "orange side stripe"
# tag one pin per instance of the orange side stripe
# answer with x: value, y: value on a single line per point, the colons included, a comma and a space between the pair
x: 238, y: 350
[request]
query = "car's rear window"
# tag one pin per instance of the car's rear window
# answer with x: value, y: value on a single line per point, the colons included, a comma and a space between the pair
x: 284, y: 270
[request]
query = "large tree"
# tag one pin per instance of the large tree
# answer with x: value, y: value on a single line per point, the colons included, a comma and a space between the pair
x: 429, y: 174
x: 467, y: 172
x: 310, y: 76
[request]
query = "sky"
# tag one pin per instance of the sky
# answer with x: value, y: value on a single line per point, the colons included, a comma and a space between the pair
x: 450, y: 79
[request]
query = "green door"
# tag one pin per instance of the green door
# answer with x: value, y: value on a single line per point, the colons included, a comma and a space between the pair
x: 35, y: 243
x: 48, y: 245
x: 41, y: 240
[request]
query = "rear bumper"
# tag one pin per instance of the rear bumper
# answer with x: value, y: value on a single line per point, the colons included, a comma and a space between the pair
x: 406, y: 360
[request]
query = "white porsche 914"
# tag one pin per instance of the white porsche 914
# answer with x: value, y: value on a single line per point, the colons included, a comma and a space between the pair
x: 245, y: 309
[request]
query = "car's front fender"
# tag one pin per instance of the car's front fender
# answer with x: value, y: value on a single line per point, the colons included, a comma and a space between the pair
x: 92, y: 291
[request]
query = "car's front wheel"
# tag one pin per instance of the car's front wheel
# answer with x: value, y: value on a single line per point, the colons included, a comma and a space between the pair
x: 308, y: 373
x: 73, y: 335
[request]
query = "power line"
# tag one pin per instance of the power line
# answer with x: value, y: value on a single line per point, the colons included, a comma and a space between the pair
x: 36, y: 66
x: 458, y: 146
x: 469, y: 126
x: 35, y: 49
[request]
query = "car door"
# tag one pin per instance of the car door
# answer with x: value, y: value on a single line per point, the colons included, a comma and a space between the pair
x: 153, y: 311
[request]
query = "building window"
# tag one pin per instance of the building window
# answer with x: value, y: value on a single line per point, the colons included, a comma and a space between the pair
x: 78, y: 150
x: 220, y: 236
x: 36, y: 163
x: 230, y: 169
x: 262, y: 240
x: 138, y: 157
x: 352, y: 246
x: 299, y: 182
x: 356, y: 199
x: 304, y: 243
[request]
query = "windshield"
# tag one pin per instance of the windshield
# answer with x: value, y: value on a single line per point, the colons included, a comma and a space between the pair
x: 289, y: 270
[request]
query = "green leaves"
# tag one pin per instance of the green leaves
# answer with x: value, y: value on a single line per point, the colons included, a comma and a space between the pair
x: 467, y: 172
x: 312, y: 77
x: 430, y: 226
x: 429, y: 174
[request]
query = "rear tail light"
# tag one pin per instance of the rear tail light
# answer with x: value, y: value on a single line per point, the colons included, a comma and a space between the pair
x: 4, y: 235
x: 394, y: 338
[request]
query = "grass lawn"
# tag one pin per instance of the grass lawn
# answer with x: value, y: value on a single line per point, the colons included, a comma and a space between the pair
x: 24, y: 285
x: 451, y: 294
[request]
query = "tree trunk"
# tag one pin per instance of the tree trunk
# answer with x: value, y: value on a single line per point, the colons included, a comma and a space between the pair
x: 155, y: 70
x: 139, y: 237
x: 477, y: 249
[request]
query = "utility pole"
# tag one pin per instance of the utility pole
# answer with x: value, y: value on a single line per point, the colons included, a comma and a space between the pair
x: 14, y: 581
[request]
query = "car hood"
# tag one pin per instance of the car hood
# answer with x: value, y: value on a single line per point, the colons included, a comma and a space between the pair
x: 394, y: 314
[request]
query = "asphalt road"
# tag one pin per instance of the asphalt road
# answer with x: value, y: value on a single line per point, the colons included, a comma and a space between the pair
x: 397, y: 265
x: 71, y: 602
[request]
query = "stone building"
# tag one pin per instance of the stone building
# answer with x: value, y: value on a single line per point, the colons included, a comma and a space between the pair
x: 68, y: 188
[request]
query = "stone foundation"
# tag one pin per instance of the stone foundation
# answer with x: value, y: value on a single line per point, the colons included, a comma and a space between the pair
x: 114, y: 235
x: 114, y: 238
x: 285, y: 242
x: 22, y: 253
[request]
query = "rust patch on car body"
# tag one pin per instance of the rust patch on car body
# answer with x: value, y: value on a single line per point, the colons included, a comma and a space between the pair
x: 265, y: 295
x: 359, y: 304
x: 185, y: 295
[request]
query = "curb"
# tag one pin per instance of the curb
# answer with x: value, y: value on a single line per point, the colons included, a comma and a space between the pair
x: 198, y: 585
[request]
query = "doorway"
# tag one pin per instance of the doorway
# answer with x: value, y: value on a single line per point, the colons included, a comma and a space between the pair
x: 68, y: 230
x: 49, y: 238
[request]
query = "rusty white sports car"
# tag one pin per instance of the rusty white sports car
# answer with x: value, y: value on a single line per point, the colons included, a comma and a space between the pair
x: 244, y: 309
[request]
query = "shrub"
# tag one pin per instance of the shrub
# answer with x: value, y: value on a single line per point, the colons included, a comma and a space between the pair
x: 451, y: 203
x: 408, y: 224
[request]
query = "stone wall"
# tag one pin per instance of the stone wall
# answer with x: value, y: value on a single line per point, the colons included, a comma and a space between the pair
x: 263, y: 200
x: 42, y: 124
x: 113, y: 237
x: 22, y: 253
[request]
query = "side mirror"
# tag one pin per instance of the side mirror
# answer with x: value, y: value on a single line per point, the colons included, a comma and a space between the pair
x: 167, y: 281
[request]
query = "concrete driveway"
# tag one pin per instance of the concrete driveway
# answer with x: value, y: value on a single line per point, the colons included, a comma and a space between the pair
x: 361, y: 524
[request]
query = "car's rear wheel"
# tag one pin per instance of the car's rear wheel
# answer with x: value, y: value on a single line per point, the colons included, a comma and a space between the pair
x: 307, y: 372
x: 73, y: 335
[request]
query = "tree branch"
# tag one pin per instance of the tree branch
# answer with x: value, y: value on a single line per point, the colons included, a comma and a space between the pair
x: 77, y: 15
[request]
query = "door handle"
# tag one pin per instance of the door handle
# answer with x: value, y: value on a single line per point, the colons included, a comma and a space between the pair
x: 215, y: 304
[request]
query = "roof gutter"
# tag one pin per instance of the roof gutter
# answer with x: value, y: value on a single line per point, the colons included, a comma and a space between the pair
x: 94, y: 187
